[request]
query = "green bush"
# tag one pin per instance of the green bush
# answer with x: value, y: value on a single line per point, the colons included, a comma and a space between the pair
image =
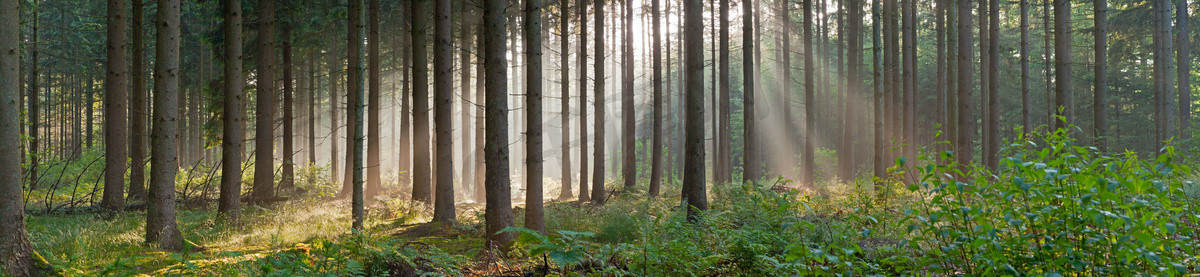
x: 1055, y: 209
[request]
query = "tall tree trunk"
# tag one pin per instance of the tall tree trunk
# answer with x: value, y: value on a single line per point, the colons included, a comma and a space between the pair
x: 598, y: 192
x: 1026, y: 113
x: 115, y: 84
x: 1183, y: 71
x: 993, y: 109
x: 750, y: 159
x: 137, y: 106
x: 1062, y: 63
x: 160, y: 208
x: 564, y: 29
x: 498, y: 211
x: 628, y: 139
x: 724, y: 157
x: 234, y: 123
x: 910, y: 78
x: 1047, y: 53
x: 1100, y: 92
x: 334, y: 67
x: 878, y: 143
x: 443, y: 88
x: 1162, y: 71
x: 942, y: 97
x: 966, y: 123
x: 374, y: 89
x: 406, y: 46
x: 34, y: 95
x: 421, y: 190
x: 19, y: 257
x: 287, y: 182
x: 264, y: 122
x: 465, y: 42
x: 693, y: 178
x: 985, y: 59
x: 312, y: 109
x: 853, y: 84
x: 656, y: 147
x: 354, y: 84
x: 533, y: 106
x: 583, y: 148
x: 808, y: 174
x: 480, y: 112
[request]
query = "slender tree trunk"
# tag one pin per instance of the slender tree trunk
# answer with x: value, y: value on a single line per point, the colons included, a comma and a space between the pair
x: 877, y: 99
x: 853, y: 84
x: 115, y: 84
x: 598, y: 192
x: 421, y: 190
x: 1062, y: 63
x: 354, y: 83
x: 656, y: 148
x: 1026, y: 113
x: 985, y: 60
x: 751, y: 170
x: 34, y: 117
x: 18, y: 256
x: 808, y: 174
x: 966, y: 123
x: 910, y: 79
x: 583, y: 161
x: 942, y: 107
x: 993, y: 109
x: 137, y: 106
x: 1047, y: 55
x: 480, y: 112
x: 334, y: 64
x: 160, y: 208
x: 498, y: 211
x: 693, y: 184
x: 287, y: 182
x: 564, y: 29
x: 533, y: 105
x: 443, y: 86
x: 1162, y: 71
x: 264, y: 123
x: 1183, y: 71
x: 724, y: 156
x: 312, y: 109
x: 1100, y: 92
x: 406, y: 48
x: 628, y: 139
x: 374, y: 89
x: 465, y: 42
x: 234, y: 123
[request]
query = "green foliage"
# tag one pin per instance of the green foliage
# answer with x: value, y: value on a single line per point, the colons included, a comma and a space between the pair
x: 565, y: 249
x: 1056, y: 209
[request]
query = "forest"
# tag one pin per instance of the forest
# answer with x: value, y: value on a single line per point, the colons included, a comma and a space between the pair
x: 598, y: 138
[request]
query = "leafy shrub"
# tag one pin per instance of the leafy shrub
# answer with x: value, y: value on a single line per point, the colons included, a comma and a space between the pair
x: 1057, y: 209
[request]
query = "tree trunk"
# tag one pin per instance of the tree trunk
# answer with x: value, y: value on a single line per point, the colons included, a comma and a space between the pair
x: 656, y: 150
x: 443, y: 89
x: 724, y: 157
x: 910, y: 79
x: 498, y: 211
x: 137, y: 106
x: 1026, y: 114
x: 942, y: 97
x: 598, y: 192
x: 465, y: 42
x: 287, y: 182
x: 234, y: 123
x: 564, y: 58
x: 1183, y: 71
x: 807, y: 172
x: 583, y: 148
x: 628, y: 139
x: 1162, y: 71
x: 354, y: 83
x: 160, y: 208
x: 878, y: 81
x: 18, y: 256
x: 1100, y: 89
x: 421, y: 190
x: 966, y: 123
x: 374, y: 89
x: 34, y: 96
x: 853, y: 83
x: 985, y: 61
x: 751, y: 170
x: 334, y: 64
x: 406, y: 46
x: 264, y: 122
x: 533, y: 105
x: 480, y: 112
x: 694, y: 193
x: 993, y: 118
x: 115, y: 84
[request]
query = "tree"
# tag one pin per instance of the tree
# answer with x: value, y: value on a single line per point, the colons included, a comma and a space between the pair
x: 354, y: 83
x: 993, y: 109
x: 583, y: 78
x: 264, y: 107
x: 693, y: 177
x: 853, y: 83
x: 656, y: 150
x: 1162, y: 74
x: 750, y: 160
x: 498, y: 210
x: 233, y: 127
x: 334, y: 66
x: 966, y: 124
x: 115, y: 83
x: 17, y: 257
x: 564, y: 69
x: 1183, y: 63
x: 137, y: 106
x: 1062, y: 64
x: 465, y: 51
x: 598, y: 192
x: 374, y: 89
x: 1026, y: 114
x: 161, y: 228
x: 405, y: 48
x: 1100, y: 89
x: 628, y: 139
x: 480, y: 111
x: 35, y: 95
x: 288, y: 180
x: 443, y: 66
x: 807, y: 174
x: 724, y: 159
x: 420, y: 103
x: 533, y: 104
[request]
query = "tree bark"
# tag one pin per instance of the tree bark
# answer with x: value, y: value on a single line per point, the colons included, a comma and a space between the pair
x: 161, y: 228
x: 115, y: 84
x: 287, y: 182
x: 421, y: 190
x: 694, y: 193
x: 853, y: 83
x: 1183, y: 71
x: 993, y: 118
x: 724, y: 157
x: 583, y: 148
x: 137, y: 106
x: 1062, y: 63
x: 354, y: 83
x: 17, y: 256
x: 598, y: 191
x: 480, y: 113
x: 264, y: 122
x: 1026, y: 113
x: 533, y: 105
x: 1100, y: 89
x: 564, y: 29
x: 443, y: 89
x: 807, y: 172
x: 628, y: 121
x: 234, y: 123
x: 1162, y: 71
x: 498, y: 210
x: 966, y: 123
x: 374, y: 89
x: 751, y: 170
x: 656, y: 150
